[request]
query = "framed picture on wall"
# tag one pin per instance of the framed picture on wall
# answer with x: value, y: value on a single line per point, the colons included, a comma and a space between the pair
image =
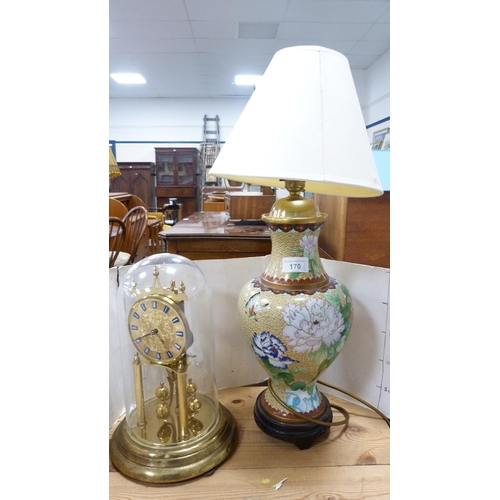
x: 386, y: 145
x: 378, y: 138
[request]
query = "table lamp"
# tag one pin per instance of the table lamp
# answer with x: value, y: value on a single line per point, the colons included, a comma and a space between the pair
x: 303, y: 130
x: 114, y: 171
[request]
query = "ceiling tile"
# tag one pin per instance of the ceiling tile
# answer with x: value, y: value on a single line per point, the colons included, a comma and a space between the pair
x: 341, y: 11
x: 236, y: 10
x: 369, y: 48
x: 378, y: 33
x: 185, y: 47
x: 327, y: 31
x: 236, y: 46
x: 258, y: 30
x: 149, y: 29
x: 214, y: 29
x: 152, y: 46
x: 361, y: 62
x: 133, y: 10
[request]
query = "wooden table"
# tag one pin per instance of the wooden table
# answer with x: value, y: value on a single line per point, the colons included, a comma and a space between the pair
x: 211, y: 235
x: 121, y: 197
x: 350, y: 463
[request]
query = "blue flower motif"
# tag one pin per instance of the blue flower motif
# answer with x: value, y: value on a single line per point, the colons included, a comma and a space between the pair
x: 270, y: 348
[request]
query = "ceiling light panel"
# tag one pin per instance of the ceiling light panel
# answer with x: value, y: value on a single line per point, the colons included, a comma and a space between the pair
x: 133, y: 78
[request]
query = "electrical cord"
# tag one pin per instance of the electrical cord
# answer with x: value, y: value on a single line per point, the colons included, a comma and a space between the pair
x: 362, y: 401
x: 313, y: 420
x: 343, y: 411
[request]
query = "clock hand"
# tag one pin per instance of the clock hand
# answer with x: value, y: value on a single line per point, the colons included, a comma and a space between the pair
x: 161, y: 340
x: 152, y: 332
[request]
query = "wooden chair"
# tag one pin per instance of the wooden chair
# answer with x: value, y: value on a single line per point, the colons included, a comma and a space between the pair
x: 135, y: 201
x: 155, y: 225
x: 135, y: 226
x: 117, y: 234
x: 117, y: 209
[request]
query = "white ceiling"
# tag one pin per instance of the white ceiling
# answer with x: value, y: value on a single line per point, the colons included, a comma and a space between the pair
x: 194, y: 48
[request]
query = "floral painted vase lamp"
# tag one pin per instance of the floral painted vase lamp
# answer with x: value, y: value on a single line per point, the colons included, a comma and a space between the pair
x: 307, y: 134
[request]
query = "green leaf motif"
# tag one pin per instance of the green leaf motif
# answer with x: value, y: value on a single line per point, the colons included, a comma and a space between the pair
x: 324, y: 365
x: 331, y: 350
x: 334, y: 300
x: 298, y: 386
x: 269, y: 367
x: 286, y: 377
x: 320, y: 355
x: 347, y: 324
x: 310, y: 387
x: 336, y: 348
x: 315, y: 268
x: 279, y: 375
x: 297, y: 371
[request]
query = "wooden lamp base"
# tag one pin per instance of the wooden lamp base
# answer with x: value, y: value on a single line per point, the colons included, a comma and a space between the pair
x: 301, y: 434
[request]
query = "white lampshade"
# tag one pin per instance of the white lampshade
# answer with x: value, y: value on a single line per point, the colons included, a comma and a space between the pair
x: 303, y: 122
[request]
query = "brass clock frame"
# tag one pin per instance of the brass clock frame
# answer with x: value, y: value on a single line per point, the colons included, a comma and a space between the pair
x: 178, y: 434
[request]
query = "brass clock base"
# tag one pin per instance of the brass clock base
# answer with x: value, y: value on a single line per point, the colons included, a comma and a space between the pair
x: 177, y: 462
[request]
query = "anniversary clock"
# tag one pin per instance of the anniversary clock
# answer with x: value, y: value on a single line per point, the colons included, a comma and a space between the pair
x: 174, y: 427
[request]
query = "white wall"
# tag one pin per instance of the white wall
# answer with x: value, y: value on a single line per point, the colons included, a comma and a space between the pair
x: 150, y: 123
x: 376, y: 100
x: 174, y: 121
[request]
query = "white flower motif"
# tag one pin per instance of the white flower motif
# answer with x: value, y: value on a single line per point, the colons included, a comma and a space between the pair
x: 310, y: 326
x: 308, y: 243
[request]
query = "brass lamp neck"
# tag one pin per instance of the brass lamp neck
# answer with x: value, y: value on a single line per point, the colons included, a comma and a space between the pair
x: 295, y: 188
x: 294, y: 208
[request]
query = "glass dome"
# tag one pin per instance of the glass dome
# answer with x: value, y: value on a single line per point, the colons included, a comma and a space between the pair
x: 167, y: 350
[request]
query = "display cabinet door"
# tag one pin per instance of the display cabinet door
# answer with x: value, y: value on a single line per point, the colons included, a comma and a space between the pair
x: 186, y: 169
x: 165, y: 169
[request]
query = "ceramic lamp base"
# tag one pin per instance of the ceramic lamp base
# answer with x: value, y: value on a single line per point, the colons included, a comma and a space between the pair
x: 301, y: 433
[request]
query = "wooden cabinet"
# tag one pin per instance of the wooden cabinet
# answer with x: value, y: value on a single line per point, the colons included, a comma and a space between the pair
x: 367, y: 237
x: 177, y: 176
x: 357, y: 229
x: 248, y: 206
x: 135, y: 179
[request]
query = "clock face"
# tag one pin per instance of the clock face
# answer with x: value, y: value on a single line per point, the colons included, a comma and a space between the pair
x: 158, y: 329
